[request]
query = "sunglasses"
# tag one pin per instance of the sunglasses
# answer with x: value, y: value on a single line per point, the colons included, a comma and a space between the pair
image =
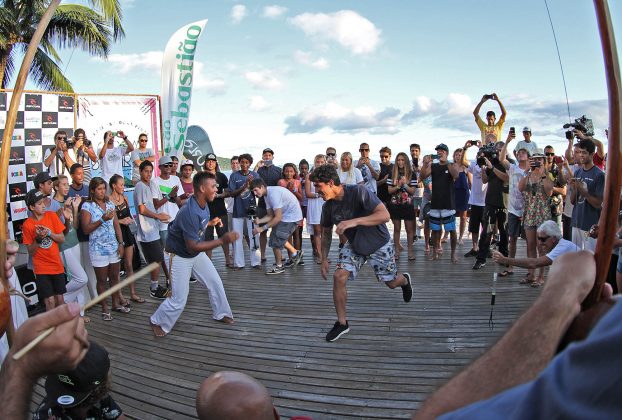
x: 363, y: 150
x: 61, y: 138
x: 385, y: 156
x: 550, y: 154
x: 543, y: 238
x: 331, y: 154
x: 168, y: 165
x: 143, y: 141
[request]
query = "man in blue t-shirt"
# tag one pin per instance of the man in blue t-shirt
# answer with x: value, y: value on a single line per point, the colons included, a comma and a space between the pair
x: 187, y: 247
x: 360, y: 216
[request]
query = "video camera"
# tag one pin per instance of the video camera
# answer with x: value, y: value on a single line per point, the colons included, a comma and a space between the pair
x: 251, y: 211
x: 582, y: 124
x: 487, y: 152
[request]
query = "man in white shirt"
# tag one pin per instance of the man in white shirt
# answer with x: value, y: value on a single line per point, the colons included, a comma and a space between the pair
x: 111, y: 156
x: 168, y: 195
x: 550, y: 246
x: 527, y: 143
x: 59, y: 159
x: 477, y: 200
x: 283, y: 216
x: 369, y: 168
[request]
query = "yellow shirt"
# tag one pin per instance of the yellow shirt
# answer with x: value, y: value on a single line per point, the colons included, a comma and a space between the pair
x: 490, y: 134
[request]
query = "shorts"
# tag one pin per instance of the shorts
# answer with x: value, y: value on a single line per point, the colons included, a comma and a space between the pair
x: 99, y: 261
x: 163, y: 236
x: 382, y: 261
x: 220, y: 230
x: 281, y: 233
x: 417, y: 202
x: 49, y: 285
x: 446, y: 218
x: 514, y: 225
x: 152, y: 251
x: 476, y: 218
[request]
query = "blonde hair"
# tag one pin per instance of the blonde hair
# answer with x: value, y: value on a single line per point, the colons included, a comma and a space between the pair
x: 351, y: 173
x: 57, y: 181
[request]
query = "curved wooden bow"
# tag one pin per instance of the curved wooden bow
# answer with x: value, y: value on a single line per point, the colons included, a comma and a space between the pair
x: 608, y: 222
x: 7, y: 136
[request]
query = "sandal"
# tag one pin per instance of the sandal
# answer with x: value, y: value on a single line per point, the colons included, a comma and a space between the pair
x: 106, y: 316
x: 137, y: 299
x: 505, y: 273
x: 526, y: 280
x: 536, y: 283
x: 122, y: 309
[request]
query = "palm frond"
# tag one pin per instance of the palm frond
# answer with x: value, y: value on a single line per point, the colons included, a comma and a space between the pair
x: 112, y: 13
x: 46, y: 74
x: 7, y: 57
x: 76, y: 26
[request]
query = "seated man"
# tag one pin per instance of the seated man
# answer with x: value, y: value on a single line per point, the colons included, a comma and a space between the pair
x: 550, y: 246
x: 82, y: 393
x: 521, y: 378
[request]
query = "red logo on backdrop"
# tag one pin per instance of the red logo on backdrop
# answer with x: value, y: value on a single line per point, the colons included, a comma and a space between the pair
x: 49, y: 118
x: 65, y: 102
x: 17, y: 191
x: 15, y: 155
x: 33, y: 102
x: 32, y: 136
x: 33, y: 171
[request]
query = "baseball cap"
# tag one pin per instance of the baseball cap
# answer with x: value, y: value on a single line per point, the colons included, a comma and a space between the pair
x: 164, y: 160
x: 267, y: 150
x: 538, y: 154
x: 41, y: 178
x: 442, y: 146
x: 187, y: 162
x: 71, y: 388
x: 526, y: 129
x: 211, y: 156
x: 33, y: 197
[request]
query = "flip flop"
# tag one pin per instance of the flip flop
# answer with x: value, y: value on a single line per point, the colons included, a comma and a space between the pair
x: 505, y: 273
x: 137, y: 299
x: 106, y: 316
x: 122, y: 309
x: 526, y: 280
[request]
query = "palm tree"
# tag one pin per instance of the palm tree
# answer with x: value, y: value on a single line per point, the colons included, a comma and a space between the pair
x: 72, y: 26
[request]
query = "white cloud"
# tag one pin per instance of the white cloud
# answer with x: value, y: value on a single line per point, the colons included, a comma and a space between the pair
x: 151, y: 61
x: 238, y: 13
x: 305, y: 58
x: 258, y: 103
x: 346, y: 27
x: 127, y: 63
x: 263, y: 80
x: 341, y: 119
x: 274, y: 11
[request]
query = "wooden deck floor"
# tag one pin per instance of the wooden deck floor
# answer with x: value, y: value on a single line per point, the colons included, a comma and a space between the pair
x: 394, y: 356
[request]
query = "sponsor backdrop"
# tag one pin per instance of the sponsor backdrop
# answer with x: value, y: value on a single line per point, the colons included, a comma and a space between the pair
x: 42, y: 114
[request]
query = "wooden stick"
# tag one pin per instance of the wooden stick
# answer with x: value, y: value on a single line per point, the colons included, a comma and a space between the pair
x: 98, y: 299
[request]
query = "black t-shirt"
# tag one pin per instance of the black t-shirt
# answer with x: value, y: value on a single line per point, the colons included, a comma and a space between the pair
x: 217, y: 207
x: 443, y: 197
x: 105, y: 409
x: 383, y: 190
x: 494, y: 193
x: 357, y: 201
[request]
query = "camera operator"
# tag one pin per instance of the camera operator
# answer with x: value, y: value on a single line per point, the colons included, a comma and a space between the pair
x: 59, y: 159
x: 583, y: 129
x: 491, y: 131
x: 495, y: 175
x: 554, y: 165
x: 85, y: 154
x: 112, y: 156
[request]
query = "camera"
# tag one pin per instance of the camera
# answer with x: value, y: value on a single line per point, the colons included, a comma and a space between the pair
x: 86, y: 142
x: 69, y: 142
x: 470, y: 143
x: 486, y: 152
x: 512, y: 130
x: 558, y: 159
x: 251, y: 211
x: 434, y: 156
x: 535, y: 164
x: 583, y: 124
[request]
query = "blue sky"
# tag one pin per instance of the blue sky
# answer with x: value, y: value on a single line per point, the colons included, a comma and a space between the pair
x: 298, y: 76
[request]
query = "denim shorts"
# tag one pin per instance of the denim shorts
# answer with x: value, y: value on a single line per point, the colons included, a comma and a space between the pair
x: 444, y: 218
x: 281, y: 233
x: 382, y: 262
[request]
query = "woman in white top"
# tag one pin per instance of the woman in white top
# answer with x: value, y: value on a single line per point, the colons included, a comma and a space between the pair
x: 348, y: 173
x: 314, y: 210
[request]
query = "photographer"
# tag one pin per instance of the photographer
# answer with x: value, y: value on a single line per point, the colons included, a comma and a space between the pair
x: 536, y: 188
x: 554, y: 165
x: 495, y: 175
x: 111, y: 156
x: 491, y: 131
x: 583, y: 129
x: 369, y: 168
x: 59, y: 159
x: 85, y: 155
x: 477, y: 200
x: 331, y: 156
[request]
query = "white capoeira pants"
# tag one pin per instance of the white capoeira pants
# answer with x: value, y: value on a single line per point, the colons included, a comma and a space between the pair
x: 238, y: 245
x: 76, y: 275
x: 85, y: 260
x: 203, y: 270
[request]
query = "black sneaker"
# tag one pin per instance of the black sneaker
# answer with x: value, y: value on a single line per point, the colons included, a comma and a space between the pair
x: 193, y: 280
x: 276, y: 269
x: 159, y: 293
x: 407, y: 290
x: 471, y: 253
x: 479, y: 265
x: 337, y: 331
x: 289, y: 263
x: 302, y: 262
x: 297, y: 257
